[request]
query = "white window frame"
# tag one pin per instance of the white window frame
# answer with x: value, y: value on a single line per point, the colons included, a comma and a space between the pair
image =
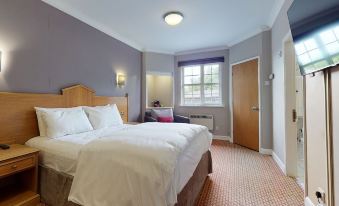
x: 202, y: 84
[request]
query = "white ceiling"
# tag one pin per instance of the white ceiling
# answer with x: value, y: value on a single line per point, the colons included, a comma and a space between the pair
x: 207, y: 23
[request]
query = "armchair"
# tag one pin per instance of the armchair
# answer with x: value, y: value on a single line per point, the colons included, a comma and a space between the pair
x: 177, y: 118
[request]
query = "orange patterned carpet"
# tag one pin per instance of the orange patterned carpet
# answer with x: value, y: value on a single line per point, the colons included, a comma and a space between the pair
x: 242, y: 177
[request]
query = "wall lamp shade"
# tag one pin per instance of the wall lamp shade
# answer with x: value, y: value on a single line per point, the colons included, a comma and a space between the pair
x: 173, y: 18
x: 121, y: 80
x: 0, y: 60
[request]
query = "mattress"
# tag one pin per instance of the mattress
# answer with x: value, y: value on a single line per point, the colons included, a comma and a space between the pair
x: 61, y: 153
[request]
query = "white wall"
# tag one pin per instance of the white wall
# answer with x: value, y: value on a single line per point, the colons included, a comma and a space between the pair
x: 279, y: 30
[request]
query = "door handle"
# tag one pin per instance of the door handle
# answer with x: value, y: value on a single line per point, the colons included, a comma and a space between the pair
x: 255, y: 108
x: 294, y: 115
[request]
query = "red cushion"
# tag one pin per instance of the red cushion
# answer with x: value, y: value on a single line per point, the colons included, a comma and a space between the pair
x: 165, y: 119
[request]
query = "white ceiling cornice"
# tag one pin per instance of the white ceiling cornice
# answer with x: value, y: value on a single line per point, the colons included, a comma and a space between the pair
x: 195, y: 51
x: 93, y: 23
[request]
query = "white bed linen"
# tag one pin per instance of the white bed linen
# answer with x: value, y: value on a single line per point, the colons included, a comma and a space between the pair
x: 61, y: 154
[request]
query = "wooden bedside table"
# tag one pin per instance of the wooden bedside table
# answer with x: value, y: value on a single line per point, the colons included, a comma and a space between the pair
x: 19, y: 176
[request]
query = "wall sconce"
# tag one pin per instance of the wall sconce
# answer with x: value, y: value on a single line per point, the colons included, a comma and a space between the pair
x: 121, y: 80
x: 0, y: 61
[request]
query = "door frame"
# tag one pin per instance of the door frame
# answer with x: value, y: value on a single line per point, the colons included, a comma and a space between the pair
x: 262, y: 151
x: 290, y: 147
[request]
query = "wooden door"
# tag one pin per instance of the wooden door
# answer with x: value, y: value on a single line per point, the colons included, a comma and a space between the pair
x: 246, y: 104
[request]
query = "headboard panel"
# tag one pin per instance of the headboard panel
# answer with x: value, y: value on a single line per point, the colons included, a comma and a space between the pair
x: 18, y: 122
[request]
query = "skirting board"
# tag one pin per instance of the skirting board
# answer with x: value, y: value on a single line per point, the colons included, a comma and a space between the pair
x: 265, y: 151
x: 279, y: 162
x: 218, y: 137
x: 308, y: 202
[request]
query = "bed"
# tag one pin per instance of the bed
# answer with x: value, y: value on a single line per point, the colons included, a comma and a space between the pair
x: 60, y: 160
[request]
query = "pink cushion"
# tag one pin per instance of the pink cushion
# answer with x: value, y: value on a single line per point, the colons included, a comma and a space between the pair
x: 165, y: 119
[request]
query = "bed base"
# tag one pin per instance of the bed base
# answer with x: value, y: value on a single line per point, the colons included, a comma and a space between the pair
x: 54, y: 187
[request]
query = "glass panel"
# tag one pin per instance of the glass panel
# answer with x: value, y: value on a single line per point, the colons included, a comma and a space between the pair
x: 188, y: 80
x: 300, y: 48
x: 188, y: 71
x: 336, y: 31
x: 215, y: 69
x: 333, y: 48
x: 208, y: 91
x: 196, y: 91
x: 208, y: 79
x: 336, y: 59
x: 215, y: 91
x: 321, y: 64
x: 188, y: 90
x: 315, y: 55
x: 215, y: 79
x: 304, y: 59
x: 310, y: 44
x: 196, y: 79
x: 207, y: 69
x: 327, y: 36
x: 196, y: 70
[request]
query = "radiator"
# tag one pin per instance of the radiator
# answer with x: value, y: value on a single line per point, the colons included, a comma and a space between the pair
x: 200, y: 119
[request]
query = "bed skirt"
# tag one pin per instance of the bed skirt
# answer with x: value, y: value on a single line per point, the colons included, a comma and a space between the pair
x: 54, y: 187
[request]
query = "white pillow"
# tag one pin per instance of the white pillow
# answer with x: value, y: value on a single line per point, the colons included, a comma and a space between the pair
x: 104, y: 116
x: 61, y: 123
x: 41, y: 123
x: 162, y: 113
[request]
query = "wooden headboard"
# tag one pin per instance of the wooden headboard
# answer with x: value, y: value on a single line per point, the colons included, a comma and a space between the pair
x: 18, y: 122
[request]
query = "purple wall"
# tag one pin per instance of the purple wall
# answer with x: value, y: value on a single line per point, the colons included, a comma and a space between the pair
x: 44, y: 50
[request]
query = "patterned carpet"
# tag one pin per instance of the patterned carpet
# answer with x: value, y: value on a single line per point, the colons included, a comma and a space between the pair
x: 242, y: 177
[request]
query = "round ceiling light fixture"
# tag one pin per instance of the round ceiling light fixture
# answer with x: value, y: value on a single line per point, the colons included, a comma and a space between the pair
x: 173, y: 18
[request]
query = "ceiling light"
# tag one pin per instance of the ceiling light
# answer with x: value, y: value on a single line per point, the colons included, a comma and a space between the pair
x: 173, y: 18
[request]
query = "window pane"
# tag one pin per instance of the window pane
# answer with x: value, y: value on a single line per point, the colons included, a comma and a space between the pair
x: 215, y: 79
x: 208, y: 91
x: 196, y: 91
x: 215, y: 69
x: 315, y: 54
x: 207, y: 69
x: 216, y: 90
x: 304, y: 59
x: 300, y: 48
x: 188, y: 90
x: 188, y: 71
x: 310, y: 44
x: 196, y: 70
x: 333, y: 48
x: 196, y: 79
x: 328, y: 36
x: 208, y: 79
x: 188, y: 80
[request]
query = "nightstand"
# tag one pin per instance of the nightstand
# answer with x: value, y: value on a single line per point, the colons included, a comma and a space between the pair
x: 19, y: 176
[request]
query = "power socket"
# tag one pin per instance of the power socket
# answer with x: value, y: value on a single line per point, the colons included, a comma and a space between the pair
x: 320, y: 194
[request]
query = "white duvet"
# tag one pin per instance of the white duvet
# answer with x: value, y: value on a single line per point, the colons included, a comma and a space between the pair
x: 133, y: 166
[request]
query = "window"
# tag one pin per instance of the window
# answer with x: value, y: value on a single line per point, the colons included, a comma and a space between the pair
x: 319, y: 50
x: 201, y: 85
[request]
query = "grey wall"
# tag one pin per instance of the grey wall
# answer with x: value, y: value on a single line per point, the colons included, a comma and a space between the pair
x: 44, y: 50
x: 259, y: 46
x: 221, y: 114
x: 158, y: 63
x: 155, y: 63
x: 279, y: 30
